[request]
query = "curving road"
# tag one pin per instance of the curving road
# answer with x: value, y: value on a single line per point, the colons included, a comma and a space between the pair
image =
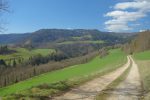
x: 130, y: 88
x: 89, y: 90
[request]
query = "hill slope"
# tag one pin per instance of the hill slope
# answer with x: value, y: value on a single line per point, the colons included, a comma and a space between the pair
x: 62, y: 35
x: 12, y: 38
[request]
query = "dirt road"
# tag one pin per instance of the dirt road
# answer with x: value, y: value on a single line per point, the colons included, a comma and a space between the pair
x: 89, y: 90
x: 130, y: 88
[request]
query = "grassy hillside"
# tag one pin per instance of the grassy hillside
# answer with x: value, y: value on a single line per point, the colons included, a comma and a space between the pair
x: 22, y: 52
x: 82, y: 37
x: 97, y: 65
x: 143, y: 61
x: 143, y: 55
x: 85, y: 42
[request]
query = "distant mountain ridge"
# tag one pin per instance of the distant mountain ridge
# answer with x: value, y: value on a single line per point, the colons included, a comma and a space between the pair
x: 12, y: 38
x: 59, y: 35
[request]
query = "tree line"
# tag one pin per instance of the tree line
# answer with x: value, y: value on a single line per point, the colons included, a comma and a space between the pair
x: 40, y: 64
x: 5, y: 50
x: 21, y: 72
x: 140, y: 43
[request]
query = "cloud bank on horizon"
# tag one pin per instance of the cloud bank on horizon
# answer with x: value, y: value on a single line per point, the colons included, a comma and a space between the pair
x: 125, y: 13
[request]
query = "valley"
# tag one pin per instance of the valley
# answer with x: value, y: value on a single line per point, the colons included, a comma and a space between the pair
x: 74, y: 50
x: 62, y: 71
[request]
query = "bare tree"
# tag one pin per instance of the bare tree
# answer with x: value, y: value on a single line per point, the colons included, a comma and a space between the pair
x: 3, y: 6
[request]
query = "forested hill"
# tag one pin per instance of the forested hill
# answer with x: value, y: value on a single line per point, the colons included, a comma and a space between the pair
x: 140, y: 43
x: 61, y: 35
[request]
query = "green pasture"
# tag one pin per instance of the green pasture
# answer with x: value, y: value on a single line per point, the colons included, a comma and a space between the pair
x: 84, y: 42
x: 142, y: 55
x: 25, y: 53
x: 97, y: 65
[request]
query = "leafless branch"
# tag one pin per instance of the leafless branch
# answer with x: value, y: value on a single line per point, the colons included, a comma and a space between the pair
x: 4, y: 6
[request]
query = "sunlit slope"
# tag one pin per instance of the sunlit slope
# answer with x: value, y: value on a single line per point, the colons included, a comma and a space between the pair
x: 25, y: 53
x: 113, y: 60
x: 143, y: 55
x: 143, y: 61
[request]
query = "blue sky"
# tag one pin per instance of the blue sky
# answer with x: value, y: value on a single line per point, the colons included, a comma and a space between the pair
x: 32, y: 15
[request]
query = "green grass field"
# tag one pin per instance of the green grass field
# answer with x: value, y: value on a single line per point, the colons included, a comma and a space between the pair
x: 97, y: 65
x: 22, y: 52
x: 85, y: 42
x: 82, y: 37
x: 143, y: 61
x: 142, y: 55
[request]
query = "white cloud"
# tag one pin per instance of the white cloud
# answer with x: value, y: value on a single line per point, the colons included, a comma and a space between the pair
x: 125, y: 15
x: 141, y: 0
x: 142, y: 30
x: 143, y: 5
x: 121, y: 16
x: 118, y: 28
